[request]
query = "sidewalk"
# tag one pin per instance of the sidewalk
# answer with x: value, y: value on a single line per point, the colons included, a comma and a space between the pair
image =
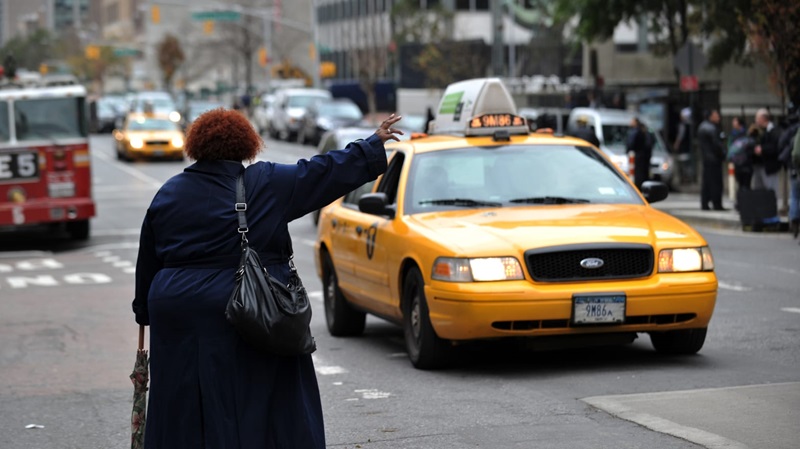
x: 686, y: 206
x: 746, y: 417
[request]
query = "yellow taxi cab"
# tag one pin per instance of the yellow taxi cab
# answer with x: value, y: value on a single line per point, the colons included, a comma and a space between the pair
x: 146, y: 135
x: 483, y: 230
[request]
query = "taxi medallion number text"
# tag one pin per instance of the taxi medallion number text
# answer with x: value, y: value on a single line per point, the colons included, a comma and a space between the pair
x: 597, y: 309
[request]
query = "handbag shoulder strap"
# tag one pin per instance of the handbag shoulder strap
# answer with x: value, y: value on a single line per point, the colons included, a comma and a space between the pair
x: 241, y: 206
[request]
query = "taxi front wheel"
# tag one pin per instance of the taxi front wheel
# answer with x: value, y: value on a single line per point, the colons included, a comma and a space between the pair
x: 425, y: 349
x: 687, y: 341
x: 343, y: 320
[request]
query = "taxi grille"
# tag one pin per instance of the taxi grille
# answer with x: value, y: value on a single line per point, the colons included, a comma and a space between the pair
x: 157, y: 142
x: 564, y: 263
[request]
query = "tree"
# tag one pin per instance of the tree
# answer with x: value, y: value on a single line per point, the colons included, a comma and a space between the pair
x: 670, y: 22
x: 170, y: 58
x: 772, y: 27
x: 32, y: 50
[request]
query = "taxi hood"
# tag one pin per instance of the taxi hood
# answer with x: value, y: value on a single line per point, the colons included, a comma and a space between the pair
x: 513, y: 230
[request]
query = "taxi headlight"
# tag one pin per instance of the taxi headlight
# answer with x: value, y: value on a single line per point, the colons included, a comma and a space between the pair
x: 685, y: 259
x: 175, y: 116
x: 177, y: 141
x: 137, y: 143
x: 479, y: 269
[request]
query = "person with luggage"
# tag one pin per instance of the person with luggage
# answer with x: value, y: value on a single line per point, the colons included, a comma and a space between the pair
x: 740, y: 154
x: 765, y: 154
x: 713, y: 152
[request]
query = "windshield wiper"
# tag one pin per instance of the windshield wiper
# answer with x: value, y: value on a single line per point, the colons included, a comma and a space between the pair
x: 464, y: 202
x: 549, y: 200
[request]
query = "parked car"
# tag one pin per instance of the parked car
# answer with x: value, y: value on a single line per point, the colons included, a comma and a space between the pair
x: 325, y: 115
x: 611, y: 127
x: 262, y: 113
x: 196, y: 107
x: 290, y: 106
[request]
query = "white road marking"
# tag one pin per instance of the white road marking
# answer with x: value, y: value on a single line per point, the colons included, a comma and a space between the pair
x: 317, y: 295
x: 132, y: 171
x: 110, y: 259
x: 791, y: 309
x: 122, y: 264
x: 308, y: 242
x: 24, y: 254
x: 338, y: 383
x: 102, y: 253
x: 130, y: 270
x: 373, y: 394
x: 330, y: 370
x: 734, y: 287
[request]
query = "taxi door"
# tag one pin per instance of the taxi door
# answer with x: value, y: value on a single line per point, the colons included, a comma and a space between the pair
x: 373, y: 237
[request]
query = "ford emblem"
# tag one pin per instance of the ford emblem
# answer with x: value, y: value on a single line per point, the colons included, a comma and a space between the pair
x: 592, y: 263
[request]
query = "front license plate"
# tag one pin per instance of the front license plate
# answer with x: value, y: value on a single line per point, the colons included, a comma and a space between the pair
x: 596, y: 309
x: 158, y: 152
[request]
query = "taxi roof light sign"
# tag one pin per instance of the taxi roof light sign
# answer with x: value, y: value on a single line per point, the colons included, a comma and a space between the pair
x: 478, y: 107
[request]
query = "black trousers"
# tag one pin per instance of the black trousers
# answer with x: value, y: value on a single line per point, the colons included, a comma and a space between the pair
x: 711, y: 189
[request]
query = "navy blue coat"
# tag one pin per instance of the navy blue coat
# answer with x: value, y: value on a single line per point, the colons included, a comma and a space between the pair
x: 207, y: 387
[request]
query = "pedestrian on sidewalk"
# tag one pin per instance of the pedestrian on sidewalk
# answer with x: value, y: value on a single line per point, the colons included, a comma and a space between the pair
x: 208, y: 387
x: 740, y: 153
x: 709, y: 140
x: 794, y: 197
x: 640, y: 143
x: 765, y: 156
x: 683, y: 147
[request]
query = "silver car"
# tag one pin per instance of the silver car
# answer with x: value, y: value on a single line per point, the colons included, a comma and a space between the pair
x: 290, y: 106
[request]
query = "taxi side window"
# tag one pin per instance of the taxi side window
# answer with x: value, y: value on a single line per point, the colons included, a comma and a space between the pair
x: 351, y: 199
x: 391, y: 179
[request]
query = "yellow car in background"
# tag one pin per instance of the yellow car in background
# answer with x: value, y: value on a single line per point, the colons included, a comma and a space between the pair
x: 149, y: 136
x: 482, y: 230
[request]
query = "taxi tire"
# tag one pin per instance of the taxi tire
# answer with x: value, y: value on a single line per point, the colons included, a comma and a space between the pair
x: 686, y: 341
x: 342, y: 319
x: 427, y: 350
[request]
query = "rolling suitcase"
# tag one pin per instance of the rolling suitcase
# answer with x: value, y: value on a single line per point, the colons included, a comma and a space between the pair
x: 757, y: 208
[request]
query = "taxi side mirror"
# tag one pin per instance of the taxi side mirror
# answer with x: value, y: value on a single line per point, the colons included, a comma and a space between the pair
x: 654, y: 191
x: 375, y: 204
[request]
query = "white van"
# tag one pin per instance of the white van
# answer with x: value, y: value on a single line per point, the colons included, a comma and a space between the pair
x: 289, y: 107
x: 611, y: 127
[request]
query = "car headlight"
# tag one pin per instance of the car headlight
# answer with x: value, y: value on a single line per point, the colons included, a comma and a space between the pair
x: 685, y: 259
x: 476, y: 270
x: 177, y: 141
x: 175, y: 116
x: 137, y: 143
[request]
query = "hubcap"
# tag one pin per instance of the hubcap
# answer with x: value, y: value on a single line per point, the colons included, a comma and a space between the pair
x: 415, y: 322
x: 330, y: 292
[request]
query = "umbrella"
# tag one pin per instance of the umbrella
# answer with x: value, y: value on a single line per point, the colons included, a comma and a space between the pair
x: 139, y: 377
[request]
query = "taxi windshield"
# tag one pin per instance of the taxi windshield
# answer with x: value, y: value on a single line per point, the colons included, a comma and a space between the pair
x: 49, y: 118
x: 152, y: 124
x: 512, y: 176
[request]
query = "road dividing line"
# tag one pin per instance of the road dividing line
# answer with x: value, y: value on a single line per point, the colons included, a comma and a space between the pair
x: 131, y: 171
x: 791, y: 309
x: 317, y: 296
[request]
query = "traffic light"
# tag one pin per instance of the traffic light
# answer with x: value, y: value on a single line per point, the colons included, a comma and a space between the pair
x: 43, y: 69
x: 92, y: 52
x: 327, y: 69
x: 208, y: 26
x: 155, y: 14
x: 262, y: 57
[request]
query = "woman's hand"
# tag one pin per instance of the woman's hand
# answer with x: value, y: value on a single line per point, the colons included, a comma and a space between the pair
x: 386, y: 132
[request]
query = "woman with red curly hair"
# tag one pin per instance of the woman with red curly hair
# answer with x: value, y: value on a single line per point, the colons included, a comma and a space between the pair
x: 208, y: 388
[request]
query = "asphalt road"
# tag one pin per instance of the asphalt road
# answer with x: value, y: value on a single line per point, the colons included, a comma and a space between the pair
x: 68, y: 340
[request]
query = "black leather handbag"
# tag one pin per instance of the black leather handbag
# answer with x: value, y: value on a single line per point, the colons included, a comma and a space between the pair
x: 270, y: 316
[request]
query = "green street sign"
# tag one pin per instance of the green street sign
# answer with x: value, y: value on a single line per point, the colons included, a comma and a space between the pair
x: 217, y: 16
x: 122, y: 51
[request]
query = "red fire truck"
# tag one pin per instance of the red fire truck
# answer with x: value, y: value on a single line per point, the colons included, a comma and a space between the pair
x: 45, y: 167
